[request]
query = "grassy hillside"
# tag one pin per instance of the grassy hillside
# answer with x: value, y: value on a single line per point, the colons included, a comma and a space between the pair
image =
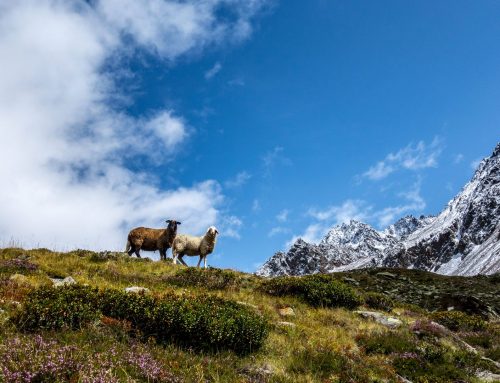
x: 304, y: 329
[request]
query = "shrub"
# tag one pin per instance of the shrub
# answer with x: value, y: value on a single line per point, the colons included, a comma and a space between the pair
x: 201, y: 322
x: 317, y: 290
x: 204, y: 322
x: 52, y: 308
x: 212, y: 278
x: 459, y: 321
x: 378, y: 301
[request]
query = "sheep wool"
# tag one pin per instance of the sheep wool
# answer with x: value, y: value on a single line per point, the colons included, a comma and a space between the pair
x: 189, y: 245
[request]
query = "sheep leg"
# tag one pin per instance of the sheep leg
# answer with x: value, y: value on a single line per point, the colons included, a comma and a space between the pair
x: 163, y: 254
x: 131, y: 251
x: 205, y: 261
x: 182, y: 260
x: 137, y: 249
x: 199, y: 261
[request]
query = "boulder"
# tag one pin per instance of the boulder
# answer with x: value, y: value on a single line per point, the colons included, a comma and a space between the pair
x: 380, y: 318
x: 58, y: 282
x: 137, y: 290
x: 286, y: 312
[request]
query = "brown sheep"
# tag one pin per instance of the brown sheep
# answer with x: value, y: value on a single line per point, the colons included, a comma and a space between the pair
x: 143, y: 238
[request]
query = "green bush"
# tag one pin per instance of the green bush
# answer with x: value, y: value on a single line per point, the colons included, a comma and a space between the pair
x: 200, y: 322
x: 378, y: 301
x: 317, y: 290
x: 52, y: 308
x: 459, y: 321
x: 212, y: 278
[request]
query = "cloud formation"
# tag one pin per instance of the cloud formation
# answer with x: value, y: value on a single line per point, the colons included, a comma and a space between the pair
x: 67, y: 140
x: 213, y: 71
x: 411, y: 157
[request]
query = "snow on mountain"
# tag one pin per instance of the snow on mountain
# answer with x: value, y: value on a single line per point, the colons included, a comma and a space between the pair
x: 464, y: 239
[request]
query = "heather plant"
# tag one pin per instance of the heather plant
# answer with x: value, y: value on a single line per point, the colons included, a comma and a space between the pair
x: 317, y: 290
x: 37, y: 359
x: 378, y: 301
x: 459, y: 321
x: 16, y: 265
x: 211, y: 279
x: 424, y: 327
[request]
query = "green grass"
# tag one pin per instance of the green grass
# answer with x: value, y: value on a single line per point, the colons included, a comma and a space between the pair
x: 329, y: 342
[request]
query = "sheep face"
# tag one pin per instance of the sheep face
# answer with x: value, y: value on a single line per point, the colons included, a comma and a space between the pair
x: 212, y: 231
x: 172, y: 225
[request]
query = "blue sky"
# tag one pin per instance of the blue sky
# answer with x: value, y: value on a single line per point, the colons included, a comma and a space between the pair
x: 271, y: 120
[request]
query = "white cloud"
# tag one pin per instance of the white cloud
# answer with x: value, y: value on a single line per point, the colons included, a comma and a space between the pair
x: 256, y: 205
x: 350, y: 209
x: 474, y: 164
x: 458, y: 158
x: 239, y: 180
x: 283, y: 215
x: 230, y: 226
x: 66, y: 139
x: 278, y: 230
x: 273, y: 158
x: 411, y: 157
x: 359, y: 210
x: 415, y: 203
x: 213, y: 71
x: 325, y: 219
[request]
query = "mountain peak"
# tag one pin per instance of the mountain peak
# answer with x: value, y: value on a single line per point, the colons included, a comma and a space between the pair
x: 464, y: 239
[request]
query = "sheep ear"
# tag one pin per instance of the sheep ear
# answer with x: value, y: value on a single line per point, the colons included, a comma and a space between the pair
x: 168, y: 221
x: 178, y: 223
x: 216, y: 231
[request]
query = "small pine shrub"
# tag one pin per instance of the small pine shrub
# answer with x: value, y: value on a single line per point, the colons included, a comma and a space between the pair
x: 211, y: 279
x: 378, y: 301
x: 317, y: 290
x: 52, y: 308
x: 459, y: 321
x: 201, y: 322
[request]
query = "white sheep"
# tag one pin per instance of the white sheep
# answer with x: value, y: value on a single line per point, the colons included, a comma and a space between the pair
x: 188, y: 245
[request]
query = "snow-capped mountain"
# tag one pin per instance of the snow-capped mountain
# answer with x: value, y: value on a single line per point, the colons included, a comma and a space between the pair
x: 464, y: 239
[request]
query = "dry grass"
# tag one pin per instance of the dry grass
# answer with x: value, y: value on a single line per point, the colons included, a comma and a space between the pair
x: 323, y: 346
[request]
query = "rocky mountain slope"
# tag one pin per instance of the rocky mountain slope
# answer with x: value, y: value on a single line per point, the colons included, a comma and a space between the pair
x: 464, y: 239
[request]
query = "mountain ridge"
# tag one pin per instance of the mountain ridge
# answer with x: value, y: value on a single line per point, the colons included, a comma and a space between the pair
x: 463, y: 239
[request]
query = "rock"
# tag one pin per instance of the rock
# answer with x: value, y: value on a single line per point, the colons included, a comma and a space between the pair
x: 286, y: 324
x: 487, y: 376
x: 137, y: 290
x: 351, y: 281
x: 386, y: 274
x: 58, y: 282
x: 19, y: 278
x: 286, y: 312
x: 380, y: 318
x: 258, y: 374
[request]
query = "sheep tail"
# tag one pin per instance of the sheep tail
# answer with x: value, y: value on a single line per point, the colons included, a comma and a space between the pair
x: 128, y: 247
